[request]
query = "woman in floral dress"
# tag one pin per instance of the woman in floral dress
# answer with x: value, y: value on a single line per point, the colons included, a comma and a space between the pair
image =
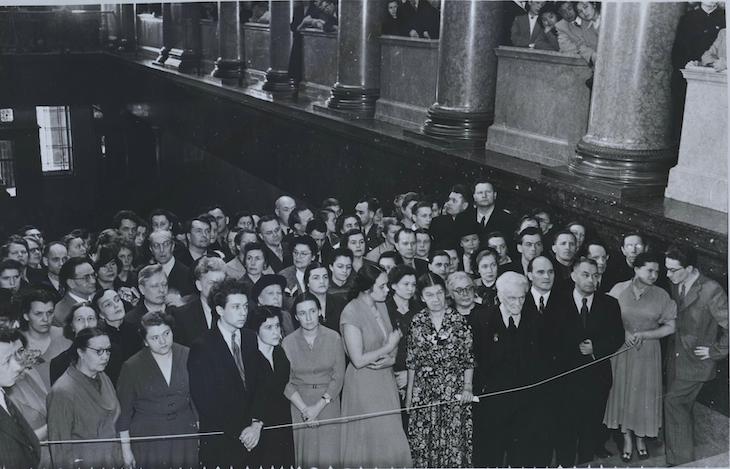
x: 440, y: 366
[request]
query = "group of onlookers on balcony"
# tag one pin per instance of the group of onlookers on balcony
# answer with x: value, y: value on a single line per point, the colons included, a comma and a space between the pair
x: 413, y: 18
x: 315, y: 14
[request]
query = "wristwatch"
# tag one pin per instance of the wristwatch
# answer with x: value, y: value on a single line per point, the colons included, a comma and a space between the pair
x: 327, y: 398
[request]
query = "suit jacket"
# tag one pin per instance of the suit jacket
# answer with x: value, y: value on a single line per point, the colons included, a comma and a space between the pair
x: 425, y: 18
x: 577, y: 39
x: 500, y: 220
x: 190, y: 323
x: 503, y: 361
x: 548, y: 40
x: 19, y: 447
x: 62, y: 310
x: 332, y: 311
x: 702, y: 320
x: 443, y: 230
x: 554, y: 327
x: 274, y: 262
x: 223, y: 402
x: 181, y: 278
x: 134, y: 315
x: 520, y: 32
x: 604, y: 328
x: 292, y: 288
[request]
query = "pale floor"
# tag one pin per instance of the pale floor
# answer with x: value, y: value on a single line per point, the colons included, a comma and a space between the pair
x: 712, y: 430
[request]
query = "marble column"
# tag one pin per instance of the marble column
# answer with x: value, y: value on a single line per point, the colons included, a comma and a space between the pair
x: 278, y: 78
x: 168, y: 35
x: 629, y: 142
x: 467, y: 71
x: 230, y: 43
x: 128, y: 28
x: 184, y: 56
x: 358, y: 58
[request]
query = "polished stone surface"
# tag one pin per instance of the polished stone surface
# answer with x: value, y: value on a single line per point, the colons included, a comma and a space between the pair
x: 280, y: 43
x: 126, y: 20
x: 319, y: 64
x: 629, y: 138
x: 256, y: 49
x: 230, y: 43
x: 541, y: 106
x: 208, y: 44
x: 408, y: 72
x: 700, y: 176
x: 358, y: 57
x: 467, y: 70
x: 149, y: 33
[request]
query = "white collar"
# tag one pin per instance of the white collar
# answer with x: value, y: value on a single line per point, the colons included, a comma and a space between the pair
x: 506, y: 316
x: 168, y: 266
x: 578, y: 299
x: 79, y: 299
x: 536, y: 295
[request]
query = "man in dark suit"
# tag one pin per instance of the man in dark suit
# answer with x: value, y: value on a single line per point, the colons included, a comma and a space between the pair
x: 487, y: 214
x: 508, y: 356
x: 701, y: 339
x: 526, y: 29
x: 551, y: 306
x: 597, y: 251
x: 443, y: 227
x: 225, y: 381
x: 195, y: 318
x: 19, y: 446
x: 269, y: 230
x: 594, y: 330
x: 152, y: 284
x: 53, y: 257
x: 563, y: 251
x: 405, y: 245
x: 78, y: 277
x: 620, y: 268
x: 366, y: 208
x: 162, y: 246
x: 198, y: 240
x: 420, y: 18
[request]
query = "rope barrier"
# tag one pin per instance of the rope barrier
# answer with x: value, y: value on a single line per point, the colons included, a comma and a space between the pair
x: 350, y: 418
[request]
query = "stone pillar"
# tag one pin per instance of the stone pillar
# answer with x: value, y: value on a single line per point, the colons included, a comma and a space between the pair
x: 230, y: 43
x: 168, y: 36
x: 128, y: 28
x: 630, y: 143
x: 358, y: 58
x: 467, y: 72
x: 184, y: 56
x: 278, y: 78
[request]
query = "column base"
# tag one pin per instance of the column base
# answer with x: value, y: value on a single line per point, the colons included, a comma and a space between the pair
x: 162, y: 57
x: 184, y: 61
x: 462, y: 126
x: 278, y: 81
x: 227, y: 69
x: 628, y: 168
x: 353, y: 100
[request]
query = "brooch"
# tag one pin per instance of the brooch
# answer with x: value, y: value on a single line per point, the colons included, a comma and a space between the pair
x: 496, y: 337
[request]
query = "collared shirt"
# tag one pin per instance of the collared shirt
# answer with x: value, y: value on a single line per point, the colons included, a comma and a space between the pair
x: 487, y: 215
x: 578, y: 21
x: 689, y: 281
x: 3, y: 404
x: 578, y: 298
x: 227, y: 332
x: 506, y: 315
x: 537, y: 295
x: 207, y: 312
x: 300, y: 279
x: 167, y: 266
x: 56, y: 284
x: 596, y: 23
x: 77, y: 299
x: 533, y: 21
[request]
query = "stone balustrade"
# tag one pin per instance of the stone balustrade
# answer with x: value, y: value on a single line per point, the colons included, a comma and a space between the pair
x: 319, y: 62
x: 256, y: 49
x: 700, y: 176
x: 542, y: 105
x: 408, y: 72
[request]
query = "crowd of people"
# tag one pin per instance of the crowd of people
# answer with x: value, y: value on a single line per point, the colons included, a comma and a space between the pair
x: 350, y: 336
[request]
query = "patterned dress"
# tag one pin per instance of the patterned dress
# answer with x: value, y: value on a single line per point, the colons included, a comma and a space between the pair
x: 440, y: 436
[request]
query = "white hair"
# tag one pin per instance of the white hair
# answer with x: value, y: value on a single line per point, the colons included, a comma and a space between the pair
x: 512, y: 278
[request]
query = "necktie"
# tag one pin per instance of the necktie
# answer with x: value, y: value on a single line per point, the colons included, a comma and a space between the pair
x: 237, y: 358
x: 682, y: 291
x: 483, y: 221
x: 542, y: 304
x: 511, y: 327
x: 584, y: 312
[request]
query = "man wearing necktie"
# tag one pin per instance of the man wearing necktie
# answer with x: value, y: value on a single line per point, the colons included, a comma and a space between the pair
x: 508, y: 355
x: 19, y: 447
x: 594, y: 330
x: 224, y: 381
x: 526, y: 28
x: 551, y: 306
x: 701, y: 339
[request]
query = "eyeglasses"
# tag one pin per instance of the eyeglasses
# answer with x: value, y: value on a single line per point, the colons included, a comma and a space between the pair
x: 463, y: 291
x: 675, y: 270
x: 160, y: 246
x: 100, y: 352
x: 88, y: 277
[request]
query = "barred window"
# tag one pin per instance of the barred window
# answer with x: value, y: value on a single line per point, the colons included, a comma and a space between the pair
x: 7, y: 166
x: 55, y: 139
